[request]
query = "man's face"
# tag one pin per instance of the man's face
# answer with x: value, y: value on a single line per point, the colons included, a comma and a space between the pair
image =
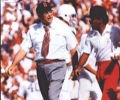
x: 73, y: 20
x: 96, y: 23
x: 47, y: 17
x: 32, y: 78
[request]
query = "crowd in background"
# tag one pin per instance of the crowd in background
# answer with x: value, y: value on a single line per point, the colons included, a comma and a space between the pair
x: 16, y: 18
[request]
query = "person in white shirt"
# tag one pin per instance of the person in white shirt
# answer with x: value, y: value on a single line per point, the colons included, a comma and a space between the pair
x: 87, y: 79
x: 67, y: 13
x: 105, y: 40
x: 51, y: 66
x: 29, y: 89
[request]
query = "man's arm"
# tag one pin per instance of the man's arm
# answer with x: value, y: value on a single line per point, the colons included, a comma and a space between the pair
x: 20, y: 97
x: 72, y: 52
x: 90, y: 69
x: 19, y: 56
x: 81, y: 62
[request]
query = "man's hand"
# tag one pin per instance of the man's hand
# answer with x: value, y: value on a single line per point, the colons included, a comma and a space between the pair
x: 9, y: 71
x: 75, y: 73
x: 19, y: 56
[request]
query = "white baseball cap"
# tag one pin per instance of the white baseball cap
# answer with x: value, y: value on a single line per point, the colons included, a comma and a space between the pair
x: 32, y: 73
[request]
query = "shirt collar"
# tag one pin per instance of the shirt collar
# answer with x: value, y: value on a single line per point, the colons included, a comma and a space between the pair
x: 107, y: 29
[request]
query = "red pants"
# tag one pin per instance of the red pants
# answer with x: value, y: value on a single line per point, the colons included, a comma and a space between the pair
x: 108, y: 75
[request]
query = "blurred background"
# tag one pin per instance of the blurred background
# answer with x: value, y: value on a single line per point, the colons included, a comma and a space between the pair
x: 16, y: 18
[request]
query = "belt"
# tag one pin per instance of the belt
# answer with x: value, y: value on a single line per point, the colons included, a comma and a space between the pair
x: 48, y: 61
x: 107, y: 61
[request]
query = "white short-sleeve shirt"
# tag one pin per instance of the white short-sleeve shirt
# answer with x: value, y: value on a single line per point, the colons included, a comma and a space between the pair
x: 104, y: 44
x: 31, y: 89
x: 61, y: 40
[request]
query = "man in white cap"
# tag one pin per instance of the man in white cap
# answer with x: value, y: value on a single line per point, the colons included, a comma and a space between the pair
x: 67, y: 13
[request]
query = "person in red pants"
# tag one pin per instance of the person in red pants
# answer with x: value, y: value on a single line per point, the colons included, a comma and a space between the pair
x: 105, y: 40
